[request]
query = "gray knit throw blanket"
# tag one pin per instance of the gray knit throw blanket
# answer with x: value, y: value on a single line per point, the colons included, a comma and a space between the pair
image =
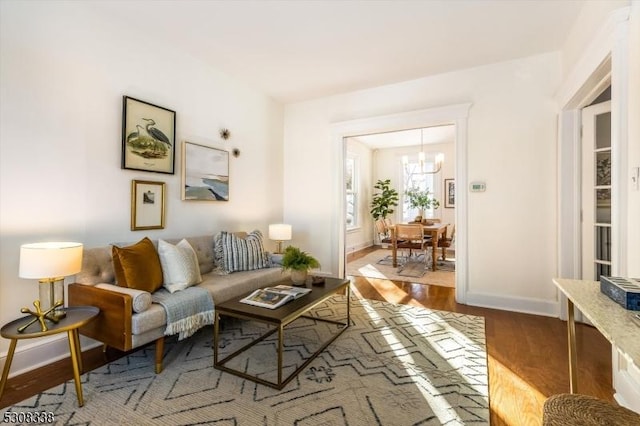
x: 187, y: 310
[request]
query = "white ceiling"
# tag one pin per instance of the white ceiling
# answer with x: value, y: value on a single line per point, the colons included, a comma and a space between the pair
x: 298, y: 50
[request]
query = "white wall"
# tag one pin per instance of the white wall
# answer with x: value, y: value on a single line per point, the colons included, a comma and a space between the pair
x: 633, y: 256
x: 593, y: 19
x: 590, y: 19
x: 362, y: 236
x: 511, y: 147
x: 63, y: 72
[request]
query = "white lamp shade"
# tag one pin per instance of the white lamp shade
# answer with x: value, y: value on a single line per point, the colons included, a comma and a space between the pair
x: 50, y: 260
x: 280, y: 232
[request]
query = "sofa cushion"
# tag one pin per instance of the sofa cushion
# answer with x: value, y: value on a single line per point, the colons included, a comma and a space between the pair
x: 137, y: 266
x: 240, y: 254
x: 148, y: 320
x: 179, y: 265
x: 226, y: 287
x: 96, y: 266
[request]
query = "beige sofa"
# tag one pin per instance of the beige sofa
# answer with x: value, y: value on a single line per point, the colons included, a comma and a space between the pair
x: 128, y: 319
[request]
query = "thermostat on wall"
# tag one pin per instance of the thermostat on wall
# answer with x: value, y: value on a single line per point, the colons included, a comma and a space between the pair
x: 477, y: 187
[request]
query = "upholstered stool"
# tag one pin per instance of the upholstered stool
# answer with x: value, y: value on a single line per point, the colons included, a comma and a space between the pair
x: 583, y: 410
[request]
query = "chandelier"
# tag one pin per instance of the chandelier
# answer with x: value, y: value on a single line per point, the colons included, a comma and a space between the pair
x: 421, y: 160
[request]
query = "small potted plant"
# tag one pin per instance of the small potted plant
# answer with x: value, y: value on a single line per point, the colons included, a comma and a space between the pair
x: 299, y: 262
x: 419, y: 199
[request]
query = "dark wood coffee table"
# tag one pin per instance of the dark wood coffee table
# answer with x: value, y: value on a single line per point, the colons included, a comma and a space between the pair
x: 279, y: 318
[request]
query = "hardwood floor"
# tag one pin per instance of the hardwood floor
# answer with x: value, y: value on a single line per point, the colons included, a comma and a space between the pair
x: 527, y: 354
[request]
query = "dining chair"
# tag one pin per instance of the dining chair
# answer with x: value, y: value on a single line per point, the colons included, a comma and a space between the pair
x: 447, y: 241
x: 383, y: 231
x: 410, y: 237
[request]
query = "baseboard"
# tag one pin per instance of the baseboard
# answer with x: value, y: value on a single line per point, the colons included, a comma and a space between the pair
x: 34, y: 354
x: 358, y: 247
x: 516, y: 304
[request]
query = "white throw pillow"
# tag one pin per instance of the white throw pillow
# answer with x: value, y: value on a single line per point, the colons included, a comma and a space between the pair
x: 180, y: 267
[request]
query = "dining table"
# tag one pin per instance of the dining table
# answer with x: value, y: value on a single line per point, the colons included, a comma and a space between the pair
x: 436, y: 230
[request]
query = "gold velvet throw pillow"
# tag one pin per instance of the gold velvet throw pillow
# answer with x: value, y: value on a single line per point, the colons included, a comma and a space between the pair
x: 138, y: 266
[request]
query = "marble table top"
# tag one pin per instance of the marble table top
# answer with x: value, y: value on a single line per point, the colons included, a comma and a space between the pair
x: 616, y: 323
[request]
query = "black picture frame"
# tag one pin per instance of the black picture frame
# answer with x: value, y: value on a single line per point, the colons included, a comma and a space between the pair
x: 148, y: 137
x: 449, y: 193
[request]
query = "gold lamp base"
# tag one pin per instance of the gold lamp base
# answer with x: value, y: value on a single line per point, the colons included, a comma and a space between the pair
x: 40, y: 316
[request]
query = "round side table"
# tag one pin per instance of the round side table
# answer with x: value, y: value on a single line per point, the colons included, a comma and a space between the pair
x: 77, y: 316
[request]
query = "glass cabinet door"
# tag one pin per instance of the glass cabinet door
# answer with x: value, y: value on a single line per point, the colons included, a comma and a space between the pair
x: 596, y: 191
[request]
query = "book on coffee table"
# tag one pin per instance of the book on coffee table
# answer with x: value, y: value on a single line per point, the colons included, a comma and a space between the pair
x: 274, y: 297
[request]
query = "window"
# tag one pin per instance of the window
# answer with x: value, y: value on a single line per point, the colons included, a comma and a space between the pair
x: 412, y: 178
x: 352, y: 183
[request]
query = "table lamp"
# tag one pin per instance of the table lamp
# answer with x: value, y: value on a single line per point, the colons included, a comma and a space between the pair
x: 49, y: 263
x: 279, y: 232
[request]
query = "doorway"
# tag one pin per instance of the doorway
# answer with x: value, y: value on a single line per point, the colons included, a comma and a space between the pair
x: 420, y: 161
x: 456, y: 115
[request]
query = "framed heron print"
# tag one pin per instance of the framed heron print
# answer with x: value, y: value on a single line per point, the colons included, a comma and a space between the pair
x: 148, y: 136
x: 205, y: 173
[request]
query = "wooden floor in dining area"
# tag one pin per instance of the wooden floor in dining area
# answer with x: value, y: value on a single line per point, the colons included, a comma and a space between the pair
x: 527, y: 354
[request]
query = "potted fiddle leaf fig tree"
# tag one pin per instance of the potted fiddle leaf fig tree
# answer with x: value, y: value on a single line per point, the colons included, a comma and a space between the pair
x: 384, y: 201
x: 299, y: 262
x: 421, y: 200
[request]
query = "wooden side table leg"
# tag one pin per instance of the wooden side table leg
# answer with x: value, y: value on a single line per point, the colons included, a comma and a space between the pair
x: 73, y: 348
x: 7, y: 365
x: 573, y: 356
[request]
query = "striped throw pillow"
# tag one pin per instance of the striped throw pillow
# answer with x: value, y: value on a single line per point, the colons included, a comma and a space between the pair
x: 241, y: 254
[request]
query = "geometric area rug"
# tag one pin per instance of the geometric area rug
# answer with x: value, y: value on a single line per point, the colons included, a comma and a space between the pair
x: 395, y: 365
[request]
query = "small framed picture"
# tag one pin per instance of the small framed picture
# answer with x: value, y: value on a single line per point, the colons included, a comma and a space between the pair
x: 449, y: 193
x: 148, y: 136
x: 147, y: 205
x: 205, y: 173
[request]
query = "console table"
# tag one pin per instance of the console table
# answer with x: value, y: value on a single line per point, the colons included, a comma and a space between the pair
x: 618, y: 325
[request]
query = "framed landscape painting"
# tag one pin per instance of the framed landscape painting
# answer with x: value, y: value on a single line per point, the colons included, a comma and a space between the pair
x: 148, y: 136
x: 147, y: 205
x: 205, y: 173
x: 449, y: 193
